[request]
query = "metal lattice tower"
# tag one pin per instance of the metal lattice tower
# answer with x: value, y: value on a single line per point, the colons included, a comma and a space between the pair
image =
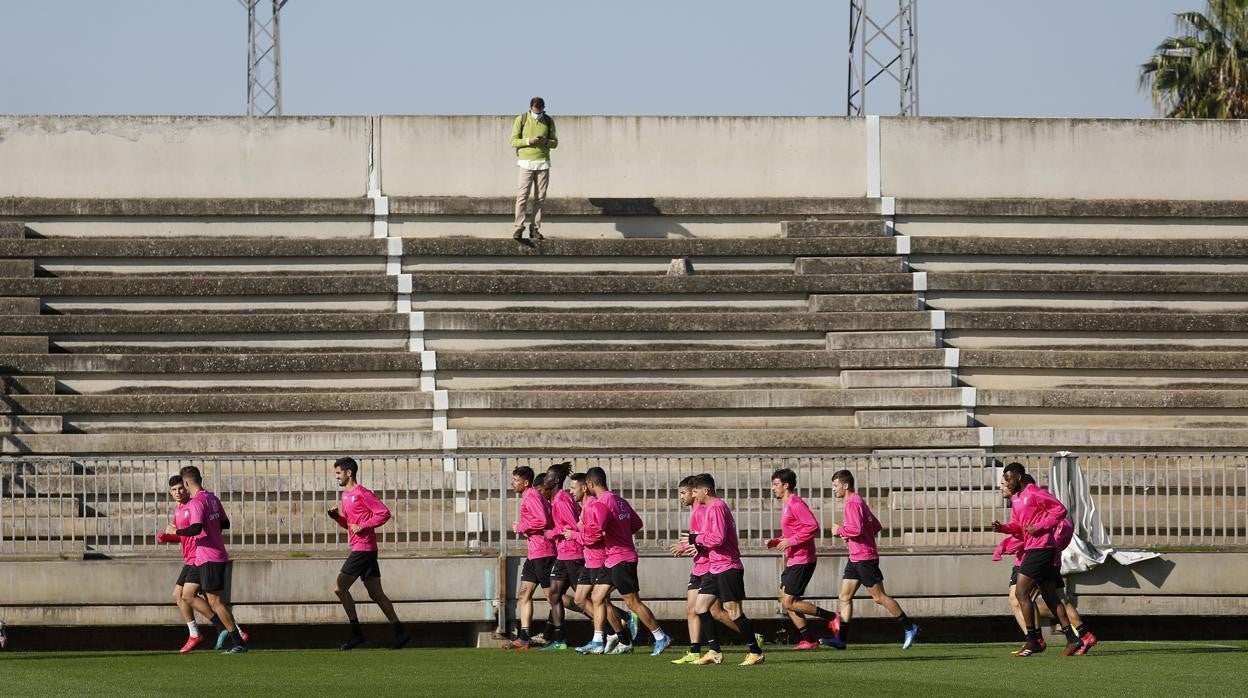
x: 264, y: 58
x: 883, y: 45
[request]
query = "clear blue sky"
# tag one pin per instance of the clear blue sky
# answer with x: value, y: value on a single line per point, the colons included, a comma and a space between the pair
x: 976, y: 57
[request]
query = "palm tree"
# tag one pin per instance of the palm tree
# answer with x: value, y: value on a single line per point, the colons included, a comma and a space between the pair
x: 1203, y: 73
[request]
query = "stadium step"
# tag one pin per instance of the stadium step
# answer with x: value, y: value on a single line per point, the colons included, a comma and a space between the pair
x: 833, y: 228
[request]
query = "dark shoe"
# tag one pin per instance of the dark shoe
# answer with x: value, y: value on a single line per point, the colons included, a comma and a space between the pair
x: 400, y: 641
x: 535, y: 234
x: 352, y: 642
x: 519, y: 234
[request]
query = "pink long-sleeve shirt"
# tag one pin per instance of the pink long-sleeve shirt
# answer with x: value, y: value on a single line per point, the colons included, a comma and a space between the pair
x: 798, y: 526
x: 590, y: 534
x: 859, y: 529
x: 361, y: 507
x: 565, y: 513
x: 534, y: 522
x: 719, y: 537
x: 701, y: 561
x: 619, y: 524
x: 205, y: 509
x: 181, y: 519
x: 1036, y: 507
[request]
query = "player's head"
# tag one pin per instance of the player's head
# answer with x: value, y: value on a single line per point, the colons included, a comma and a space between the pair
x: 685, y: 490
x: 578, y: 488
x: 703, y: 487
x: 596, y: 479
x: 842, y: 483
x: 191, y: 478
x: 1012, y: 478
x: 345, y: 470
x: 555, y: 477
x: 521, y: 478
x: 783, y: 483
x: 177, y: 490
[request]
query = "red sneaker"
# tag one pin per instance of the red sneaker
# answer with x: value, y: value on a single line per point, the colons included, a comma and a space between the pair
x: 835, y: 624
x: 806, y: 645
x: 191, y: 642
x: 1072, y: 648
x: 1089, y: 641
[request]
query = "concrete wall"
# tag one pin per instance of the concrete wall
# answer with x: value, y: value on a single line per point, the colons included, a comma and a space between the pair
x: 631, y: 156
x: 148, y: 156
x: 130, y: 592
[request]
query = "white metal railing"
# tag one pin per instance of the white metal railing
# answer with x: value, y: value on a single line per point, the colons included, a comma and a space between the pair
x: 114, y: 506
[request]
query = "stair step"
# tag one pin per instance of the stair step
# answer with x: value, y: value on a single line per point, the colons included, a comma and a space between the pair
x: 911, y: 419
x: 849, y: 265
x: 904, y: 378
x: 820, y: 229
x: 909, y: 339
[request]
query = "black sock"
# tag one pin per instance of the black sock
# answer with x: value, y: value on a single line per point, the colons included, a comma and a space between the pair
x: 807, y: 633
x: 748, y: 631
x: 824, y: 614
x: 558, y: 633
x: 695, y: 648
x: 237, y: 638
x: 626, y: 638
x: 709, y: 632
x: 355, y: 627
x: 1081, y: 630
x: 1033, y: 634
x: 844, y: 631
x: 904, y: 620
x: 217, y: 625
x: 524, y: 634
x: 1069, y: 632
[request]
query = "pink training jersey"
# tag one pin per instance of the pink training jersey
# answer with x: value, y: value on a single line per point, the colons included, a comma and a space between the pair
x: 534, y: 522
x: 181, y: 519
x: 798, y: 526
x: 590, y: 534
x: 566, y: 513
x: 1036, y: 507
x: 618, y: 527
x: 205, y: 509
x: 859, y: 529
x: 701, y: 561
x: 719, y: 537
x: 361, y: 507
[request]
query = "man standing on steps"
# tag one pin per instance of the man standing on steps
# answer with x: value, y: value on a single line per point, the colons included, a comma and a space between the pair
x: 533, y: 136
x: 797, y: 541
x: 361, y: 513
x: 204, y: 523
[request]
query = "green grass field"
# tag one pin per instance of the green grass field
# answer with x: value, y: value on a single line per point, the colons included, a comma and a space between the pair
x: 1127, y: 669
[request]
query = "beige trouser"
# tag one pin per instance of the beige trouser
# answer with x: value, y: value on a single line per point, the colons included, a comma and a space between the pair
x: 531, y: 179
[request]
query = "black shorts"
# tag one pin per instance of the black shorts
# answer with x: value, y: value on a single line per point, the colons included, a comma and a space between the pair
x: 865, y: 571
x: 362, y: 564
x: 1038, y: 564
x: 795, y: 578
x: 1014, y: 576
x: 594, y: 576
x: 695, y: 582
x: 212, y: 576
x: 624, y: 578
x: 727, y: 586
x: 188, y: 575
x: 567, y: 571
x: 537, y: 570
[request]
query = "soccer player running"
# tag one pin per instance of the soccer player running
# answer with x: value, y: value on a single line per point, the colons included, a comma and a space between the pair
x: 1036, y: 515
x: 205, y: 520
x: 593, y: 573
x: 701, y: 565
x: 725, y: 580
x: 533, y: 521
x: 798, y: 527
x: 361, y: 513
x: 188, y: 573
x: 859, y: 529
x: 569, y: 554
x: 616, y: 529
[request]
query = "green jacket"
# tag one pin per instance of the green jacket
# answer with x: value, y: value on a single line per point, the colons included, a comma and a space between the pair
x: 525, y: 128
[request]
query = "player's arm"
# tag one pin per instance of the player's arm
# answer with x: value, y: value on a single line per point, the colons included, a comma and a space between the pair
x: 195, y: 519
x: 377, y: 512
x: 851, y: 527
x: 712, y: 533
x: 1052, y: 512
x: 591, y: 524
x: 802, y: 525
x: 561, y: 513
x: 635, y: 523
x: 532, y: 517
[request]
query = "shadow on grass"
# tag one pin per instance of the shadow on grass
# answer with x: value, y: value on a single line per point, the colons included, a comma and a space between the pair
x: 842, y: 659
x: 64, y: 656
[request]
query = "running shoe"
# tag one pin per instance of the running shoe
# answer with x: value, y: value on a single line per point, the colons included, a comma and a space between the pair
x: 711, y: 657
x: 634, y: 624
x: 191, y: 642
x: 236, y: 649
x: 4, y: 636
x: 834, y: 642
x: 400, y: 640
x: 660, y: 645
x: 1089, y: 641
x: 751, y: 659
x: 222, y: 637
x: 689, y: 658
x: 351, y: 643
x: 520, y: 645
x: 806, y: 645
x: 555, y: 646
x: 612, y: 641
x: 621, y: 648
x: 1072, y: 648
x: 911, y: 633
x: 243, y: 634
x: 538, y: 640
x: 1029, y: 648
x: 593, y: 648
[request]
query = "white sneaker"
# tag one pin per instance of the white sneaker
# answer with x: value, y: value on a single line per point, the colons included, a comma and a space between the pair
x: 622, y: 649
x: 4, y: 637
x: 612, y: 641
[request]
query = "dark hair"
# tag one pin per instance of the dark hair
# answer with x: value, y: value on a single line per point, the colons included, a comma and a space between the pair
x: 347, y: 464
x: 539, y: 480
x: 175, y: 480
x: 191, y: 473
x: 844, y: 476
x: 524, y: 472
x: 786, y: 476
x: 704, y: 480
x: 687, y: 482
x: 1028, y: 479
x: 577, y: 477
x: 537, y: 102
x: 596, y: 476
x: 1016, y: 468
x: 557, y: 473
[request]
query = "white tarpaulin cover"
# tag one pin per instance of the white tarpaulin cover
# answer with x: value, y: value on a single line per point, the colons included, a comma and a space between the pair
x: 1090, y: 545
